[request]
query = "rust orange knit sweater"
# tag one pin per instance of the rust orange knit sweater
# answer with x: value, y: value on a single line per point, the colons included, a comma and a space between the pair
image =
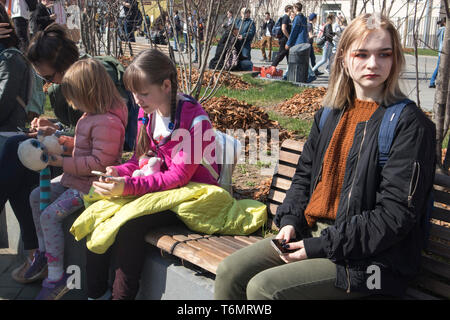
x: 325, y: 198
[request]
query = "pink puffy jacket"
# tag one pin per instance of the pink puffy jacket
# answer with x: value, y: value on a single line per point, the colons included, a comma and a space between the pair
x: 98, y: 143
x: 178, y: 168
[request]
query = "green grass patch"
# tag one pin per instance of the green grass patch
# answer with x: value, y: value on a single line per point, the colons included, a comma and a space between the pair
x: 263, y: 93
x: 422, y: 52
x: 299, y: 126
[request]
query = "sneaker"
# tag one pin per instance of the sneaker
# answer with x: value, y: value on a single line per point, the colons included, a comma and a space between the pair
x: 53, y: 290
x: 31, y: 271
x: 318, y: 73
x: 432, y: 86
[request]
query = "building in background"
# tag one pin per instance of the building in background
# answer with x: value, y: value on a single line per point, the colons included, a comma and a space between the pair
x: 401, y: 12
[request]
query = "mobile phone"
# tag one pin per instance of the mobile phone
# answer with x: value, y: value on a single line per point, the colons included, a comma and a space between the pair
x: 278, y: 246
x: 100, y: 174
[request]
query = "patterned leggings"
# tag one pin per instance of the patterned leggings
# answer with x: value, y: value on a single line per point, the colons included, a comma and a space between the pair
x: 48, y: 223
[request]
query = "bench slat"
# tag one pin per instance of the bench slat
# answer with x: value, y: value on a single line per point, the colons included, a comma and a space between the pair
x: 440, y: 214
x: 418, y: 295
x: 441, y: 196
x: 272, y: 208
x: 434, y: 286
x: 440, y: 231
x: 438, y: 249
x: 277, y: 196
x: 249, y: 240
x: 281, y: 183
x: 437, y: 267
x: 289, y: 157
x: 232, y: 247
x: 294, y: 145
x: 214, y: 242
x: 286, y: 171
x: 234, y: 241
x: 200, y: 245
x: 183, y: 251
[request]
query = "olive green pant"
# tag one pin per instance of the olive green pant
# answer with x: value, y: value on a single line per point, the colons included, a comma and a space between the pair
x: 258, y: 273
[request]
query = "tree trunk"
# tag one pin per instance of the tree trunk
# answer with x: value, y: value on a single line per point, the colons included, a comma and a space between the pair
x: 442, y: 97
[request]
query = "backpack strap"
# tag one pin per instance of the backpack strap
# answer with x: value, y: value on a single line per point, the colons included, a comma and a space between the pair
x: 387, y: 130
x: 323, y: 117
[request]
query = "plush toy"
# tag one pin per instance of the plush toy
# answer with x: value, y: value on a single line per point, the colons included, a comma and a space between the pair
x: 35, y: 154
x: 148, y: 164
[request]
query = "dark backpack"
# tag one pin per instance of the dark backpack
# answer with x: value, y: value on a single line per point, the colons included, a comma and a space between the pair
x: 276, y: 30
x: 385, y: 138
x: 32, y: 4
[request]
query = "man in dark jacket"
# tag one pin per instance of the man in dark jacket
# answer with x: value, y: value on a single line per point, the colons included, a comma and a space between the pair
x: 266, y: 34
x: 42, y: 16
x: 286, y: 25
x: 247, y: 31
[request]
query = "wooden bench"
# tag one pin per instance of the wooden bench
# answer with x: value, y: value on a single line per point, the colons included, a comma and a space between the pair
x: 207, y: 251
x: 134, y: 48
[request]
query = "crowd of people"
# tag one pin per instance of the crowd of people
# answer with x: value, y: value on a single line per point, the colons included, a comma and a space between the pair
x: 345, y: 211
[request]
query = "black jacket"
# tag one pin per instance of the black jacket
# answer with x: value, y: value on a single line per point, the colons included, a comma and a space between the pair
x: 381, y: 211
x: 40, y: 18
x: 270, y: 24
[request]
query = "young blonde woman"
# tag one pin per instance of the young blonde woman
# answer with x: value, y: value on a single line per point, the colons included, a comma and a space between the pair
x: 354, y: 227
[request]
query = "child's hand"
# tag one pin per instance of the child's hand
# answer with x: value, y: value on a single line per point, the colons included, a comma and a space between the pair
x: 111, y: 171
x: 55, y: 160
x: 111, y: 186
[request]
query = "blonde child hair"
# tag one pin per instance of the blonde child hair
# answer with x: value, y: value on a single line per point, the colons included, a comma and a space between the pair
x: 87, y: 87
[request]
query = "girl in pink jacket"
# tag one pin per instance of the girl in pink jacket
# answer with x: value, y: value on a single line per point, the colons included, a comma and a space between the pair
x: 99, y: 137
x: 166, y: 130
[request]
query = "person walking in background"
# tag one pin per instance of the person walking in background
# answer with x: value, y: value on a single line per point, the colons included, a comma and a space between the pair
x: 338, y: 29
x: 177, y: 31
x: 440, y: 37
x: 247, y: 32
x: 20, y: 15
x: 42, y: 16
x: 328, y: 46
x: 299, y: 34
x: 266, y: 34
x: 311, y: 35
x: 286, y: 25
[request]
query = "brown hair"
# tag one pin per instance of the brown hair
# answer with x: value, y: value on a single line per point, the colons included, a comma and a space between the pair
x: 341, y: 90
x: 151, y: 67
x: 288, y: 8
x: 298, y: 6
x: 87, y: 86
x: 12, y: 40
x: 52, y: 46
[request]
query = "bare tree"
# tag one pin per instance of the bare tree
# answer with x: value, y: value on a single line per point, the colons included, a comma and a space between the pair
x: 441, y: 109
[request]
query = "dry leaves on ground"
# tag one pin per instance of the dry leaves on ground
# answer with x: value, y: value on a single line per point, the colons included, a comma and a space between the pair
x: 307, y: 102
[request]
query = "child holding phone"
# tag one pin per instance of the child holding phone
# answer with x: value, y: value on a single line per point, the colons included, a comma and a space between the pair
x: 99, y: 137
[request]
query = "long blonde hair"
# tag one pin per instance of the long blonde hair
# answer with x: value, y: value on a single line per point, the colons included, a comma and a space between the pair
x: 86, y: 85
x: 341, y: 90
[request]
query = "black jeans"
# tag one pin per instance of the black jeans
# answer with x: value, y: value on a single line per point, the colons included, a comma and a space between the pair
x: 21, y: 26
x: 126, y: 256
x: 281, y: 53
x: 16, y: 184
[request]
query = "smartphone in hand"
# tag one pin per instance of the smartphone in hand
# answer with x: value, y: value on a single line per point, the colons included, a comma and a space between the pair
x: 280, y: 247
x: 100, y: 174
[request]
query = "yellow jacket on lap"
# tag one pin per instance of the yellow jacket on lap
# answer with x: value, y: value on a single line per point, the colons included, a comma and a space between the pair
x: 202, y: 207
